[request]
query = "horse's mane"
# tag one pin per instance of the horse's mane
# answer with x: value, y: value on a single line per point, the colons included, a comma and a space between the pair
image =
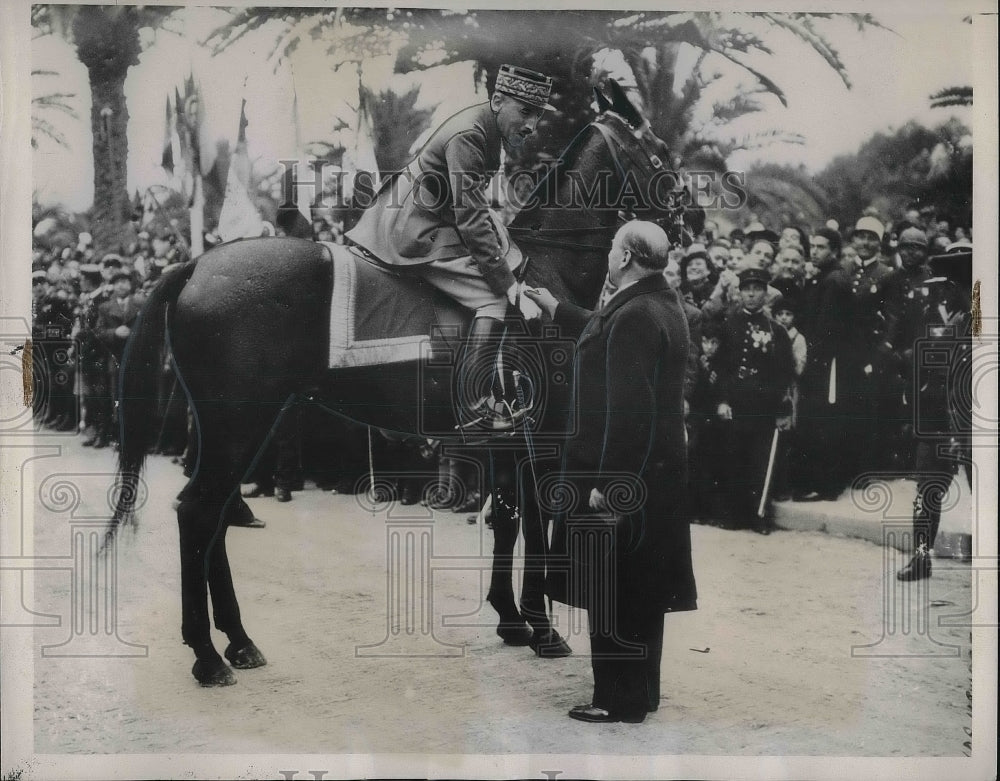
x: 555, y: 171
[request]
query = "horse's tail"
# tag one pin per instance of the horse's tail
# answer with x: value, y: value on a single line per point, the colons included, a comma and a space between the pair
x: 137, y: 392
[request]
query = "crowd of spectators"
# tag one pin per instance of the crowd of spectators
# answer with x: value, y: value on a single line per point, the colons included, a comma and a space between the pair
x: 809, y: 331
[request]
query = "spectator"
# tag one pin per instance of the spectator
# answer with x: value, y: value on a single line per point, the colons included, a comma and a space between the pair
x: 753, y: 393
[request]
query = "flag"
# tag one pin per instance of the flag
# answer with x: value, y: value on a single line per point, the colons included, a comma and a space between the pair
x: 239, y: 217
x: 295, y: 214
x: 167, y: 159
x: 359, y: 161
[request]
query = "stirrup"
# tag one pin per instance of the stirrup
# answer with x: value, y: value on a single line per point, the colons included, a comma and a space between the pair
x: 493, y: 414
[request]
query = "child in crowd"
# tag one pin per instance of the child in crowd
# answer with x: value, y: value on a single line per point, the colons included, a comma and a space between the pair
x: 784, y: 313
x: 707, y: 439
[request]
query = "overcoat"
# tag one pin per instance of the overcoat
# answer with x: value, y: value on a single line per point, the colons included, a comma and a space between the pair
x: 631, y: 363
x: 438, y: 207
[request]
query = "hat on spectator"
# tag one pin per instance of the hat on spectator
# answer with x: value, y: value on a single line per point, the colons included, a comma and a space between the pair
x: 696, y: 250
x: 832, y: 225
x: 112, y: 259
x: 788, y: 300
x: 38, y: 275
x: 90, y: 269
x: 754, y: 274
x: 122, y: 274
x: 913, y: 235
x: 954, y: 265
x: 871, y: 225
x: 756, y: 231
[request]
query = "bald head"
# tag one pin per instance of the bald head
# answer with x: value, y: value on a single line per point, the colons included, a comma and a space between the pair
x: 646, y: 241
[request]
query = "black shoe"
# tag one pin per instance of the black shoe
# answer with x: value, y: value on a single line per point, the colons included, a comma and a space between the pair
x: 918, y: 568
x: 594, y: 715
x: 806, y: 496
x: 101, y: 442
x: 282, y: 495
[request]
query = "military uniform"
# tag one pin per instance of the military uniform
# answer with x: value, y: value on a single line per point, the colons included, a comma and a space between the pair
x: 94, y: 366
x: 941, y: 386
x: 756, y: 372
x: 435, y: 215
x: 858, y: 324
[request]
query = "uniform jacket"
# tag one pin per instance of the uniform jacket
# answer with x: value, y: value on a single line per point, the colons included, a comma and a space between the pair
x: 631, y: 362
x: 438, y: 207
x: 858, y: 319
x: 111, y: 315
x: 756, y: 367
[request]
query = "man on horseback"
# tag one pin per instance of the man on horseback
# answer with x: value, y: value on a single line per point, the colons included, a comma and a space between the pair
x: 436, y: 214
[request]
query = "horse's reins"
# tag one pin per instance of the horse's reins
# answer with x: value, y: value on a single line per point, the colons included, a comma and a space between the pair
x: 533, y: 235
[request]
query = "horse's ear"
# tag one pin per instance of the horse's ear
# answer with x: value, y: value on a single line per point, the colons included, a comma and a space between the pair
x: 620, y: 104
x: 603, y: 104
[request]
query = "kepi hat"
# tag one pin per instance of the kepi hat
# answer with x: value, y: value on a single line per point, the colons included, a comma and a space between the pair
x: 754, y: 274
x: 528, y: 86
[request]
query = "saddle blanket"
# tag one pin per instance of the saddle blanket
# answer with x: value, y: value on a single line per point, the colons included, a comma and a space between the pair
x: 379, y: 316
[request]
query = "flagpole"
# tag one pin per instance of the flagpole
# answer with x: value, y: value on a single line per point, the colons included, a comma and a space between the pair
x: 176, y: 232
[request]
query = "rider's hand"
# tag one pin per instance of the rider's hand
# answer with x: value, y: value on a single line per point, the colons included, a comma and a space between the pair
x: 528, y: 307
x: 545, y: 300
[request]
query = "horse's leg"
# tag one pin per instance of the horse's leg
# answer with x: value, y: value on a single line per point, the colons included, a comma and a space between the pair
x: 229, y: 440
x: 545, y: 641
x: 512, y: 627
x: 241, y: 651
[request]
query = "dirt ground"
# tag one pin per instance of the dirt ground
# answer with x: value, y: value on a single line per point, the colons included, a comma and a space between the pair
x: 796, y: 649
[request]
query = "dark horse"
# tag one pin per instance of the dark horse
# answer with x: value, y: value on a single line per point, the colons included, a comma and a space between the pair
x: 246, y: 324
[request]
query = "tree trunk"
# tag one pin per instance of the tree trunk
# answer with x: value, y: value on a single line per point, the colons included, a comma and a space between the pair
x: 107, y: 43
x: 109, y: 123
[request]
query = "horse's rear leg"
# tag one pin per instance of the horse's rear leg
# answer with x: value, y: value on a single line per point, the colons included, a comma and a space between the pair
x: 229, y: 442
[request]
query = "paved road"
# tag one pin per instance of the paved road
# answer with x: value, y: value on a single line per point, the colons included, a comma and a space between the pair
x: 803, y: 643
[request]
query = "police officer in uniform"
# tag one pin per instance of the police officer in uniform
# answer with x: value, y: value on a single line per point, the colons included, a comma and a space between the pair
x: 943, y: 392
x: 859, y: 320
x: 755, y: 374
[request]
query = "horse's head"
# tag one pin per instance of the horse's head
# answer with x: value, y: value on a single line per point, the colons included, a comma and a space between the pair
x: 616, y: 169
x: 652, y: 189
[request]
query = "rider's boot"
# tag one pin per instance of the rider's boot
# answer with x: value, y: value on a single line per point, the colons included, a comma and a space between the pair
x: 485, y: 399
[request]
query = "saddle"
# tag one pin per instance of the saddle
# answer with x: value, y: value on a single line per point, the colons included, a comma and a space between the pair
x: 381, y: 314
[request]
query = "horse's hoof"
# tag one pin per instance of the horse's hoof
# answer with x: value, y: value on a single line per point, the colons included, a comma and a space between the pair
x: 515, y: 634
x: 549, y: 645
x: 213, y: 673
x: 245, y: 658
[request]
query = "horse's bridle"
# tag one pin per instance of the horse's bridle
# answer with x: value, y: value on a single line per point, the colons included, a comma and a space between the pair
x: 615, y: 144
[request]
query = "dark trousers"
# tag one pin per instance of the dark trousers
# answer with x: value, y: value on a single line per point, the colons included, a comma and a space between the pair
x: 626, y: 646
x: 818, y: 462
x: 751, y: 449
x: 934, y: 472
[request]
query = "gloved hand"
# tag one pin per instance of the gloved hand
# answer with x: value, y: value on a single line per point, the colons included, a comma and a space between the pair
x: 529, y: 308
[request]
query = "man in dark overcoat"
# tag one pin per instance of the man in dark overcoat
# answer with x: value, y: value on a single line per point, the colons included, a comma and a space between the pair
x: 115, y: 319
x: 623, y: 549
x: 434, y: 217
x: 858, y: 322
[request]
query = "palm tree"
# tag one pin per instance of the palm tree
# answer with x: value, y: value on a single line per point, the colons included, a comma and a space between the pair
x: 107, y: 42
x: 46, y: 104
